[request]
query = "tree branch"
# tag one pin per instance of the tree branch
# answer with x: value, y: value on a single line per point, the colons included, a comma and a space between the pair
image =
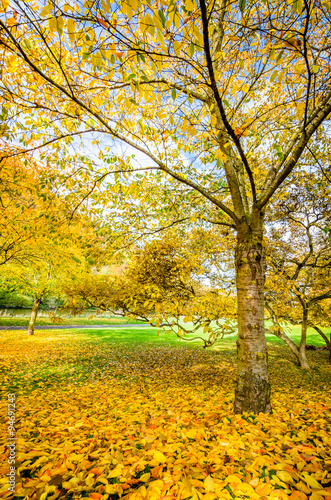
x: 218, y: 99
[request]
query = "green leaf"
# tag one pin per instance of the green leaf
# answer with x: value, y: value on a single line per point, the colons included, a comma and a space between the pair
x: 4, y: 113
x: 242, y: 5
x: 173, y: 94
x: 162, y: 17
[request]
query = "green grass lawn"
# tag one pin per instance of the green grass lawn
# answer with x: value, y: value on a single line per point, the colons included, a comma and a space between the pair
x: 313, y: 338
x: 45, y: 321
x: 128, y: 340
x: 294, y: 332
x: 153, y: 335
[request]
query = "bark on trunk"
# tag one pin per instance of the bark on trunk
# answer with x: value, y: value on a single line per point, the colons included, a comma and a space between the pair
x: 252, y: 392
x: 34, y: 312
x: 302, y: 349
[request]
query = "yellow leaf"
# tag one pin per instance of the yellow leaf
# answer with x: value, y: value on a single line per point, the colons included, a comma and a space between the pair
x: 187, y: 484
x: 89, y: 480
x: 316, y: 496
x: 67, y: 485
x: 284, y: 476
x: 5, y: 4
x: 177, y: 47
x: 209, y: 483
x: 115, y: 472
x: 176, y: 19
x: 71, y: 27
x: 127, y: 10
x: 300, y: 465
x: 157, y: 21
x: 298, y: 495
x: 160, y: 37
x: 159, y: 457
x: 245, y: 87
x: 213, y: 120
x: 299, y: 69
x: 52, y: 24
x: 311, y: 481
x: 145, y: 477
x: 263, y: 489
x: 232, y: 479
x: 302, y: 487
x: 111, y: 489
x: 102, y: 479
x: 45, y: 477
x: 192, y: 434
x: 189, y: 4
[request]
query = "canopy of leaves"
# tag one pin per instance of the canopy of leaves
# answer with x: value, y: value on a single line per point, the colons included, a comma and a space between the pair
x: 215, y: 97
x: 166, y: 282
x: 299, y: 251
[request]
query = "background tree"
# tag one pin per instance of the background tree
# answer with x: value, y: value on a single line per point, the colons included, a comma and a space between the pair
x: 298, y: 288
x: 170, y: 283
x: 43, y: 277
x: 220, y: 100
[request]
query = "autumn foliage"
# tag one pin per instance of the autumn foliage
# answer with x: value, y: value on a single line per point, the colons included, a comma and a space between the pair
x: 108, y: 418
x: 212, y: 106
x: 169, y: 282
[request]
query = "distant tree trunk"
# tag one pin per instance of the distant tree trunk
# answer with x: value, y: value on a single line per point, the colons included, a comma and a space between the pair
x: 252, y: 392
x: 302, y: 360
x: 302, y: 348
x: 324, y: 337
x: 34, y: 312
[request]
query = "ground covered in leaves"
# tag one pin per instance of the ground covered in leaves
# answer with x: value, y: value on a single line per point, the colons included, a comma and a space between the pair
x: 106, y: 417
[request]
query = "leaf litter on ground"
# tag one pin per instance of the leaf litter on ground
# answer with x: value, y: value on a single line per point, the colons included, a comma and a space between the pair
x: 131, y: 420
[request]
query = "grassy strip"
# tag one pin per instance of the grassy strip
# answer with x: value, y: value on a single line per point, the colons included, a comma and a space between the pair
x: 19, y: 321
x: 294, y: 332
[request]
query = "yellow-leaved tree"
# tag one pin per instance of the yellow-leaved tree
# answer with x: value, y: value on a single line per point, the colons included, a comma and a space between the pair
x: 298, y: 285
x: 171, y: 282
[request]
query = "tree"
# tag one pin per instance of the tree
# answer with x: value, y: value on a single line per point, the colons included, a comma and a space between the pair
x: 169, y: 283
x: 43, y: 277
x: 27, y: 206
x: 222, y: 99
x: 298, y: 288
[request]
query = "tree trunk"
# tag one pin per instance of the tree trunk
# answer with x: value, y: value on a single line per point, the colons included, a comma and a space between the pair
x: 324, y: 337
x: 302, y: 349
x: 302, y: 360
x: 252, y: 392
x: 34, y: 312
